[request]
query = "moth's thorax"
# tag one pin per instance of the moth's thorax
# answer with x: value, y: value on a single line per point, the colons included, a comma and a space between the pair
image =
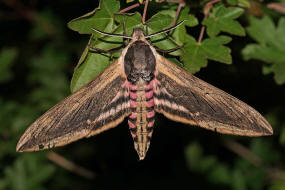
x: 138, y: 34
x: 139, y: 62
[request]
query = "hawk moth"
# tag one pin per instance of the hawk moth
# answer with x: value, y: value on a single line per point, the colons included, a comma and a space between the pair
x: 139, y: 84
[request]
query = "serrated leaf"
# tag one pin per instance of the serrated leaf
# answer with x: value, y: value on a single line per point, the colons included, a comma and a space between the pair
x: 92, y: 64
x: 261, y: 29
x: 197, y: 55
x: 279, y: 72
x: 101, y: 18
x: 189, y: 20
x: 270, y: 47
x: 158, y: 22
x: 222, y: 19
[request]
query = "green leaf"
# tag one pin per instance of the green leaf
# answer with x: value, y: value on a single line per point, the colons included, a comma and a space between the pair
x: 179, y: 33
x: 94, y: 64
x: 232, y: 2
x: 279, y: 72
x: 222, y: 19
x: 244, y: 3
x: 270, y: 47
x: 7, y: 57
x: 259, y: 32
x: 220, y: 174
x: 238, y: 180
x: 28, y: 172
x: 212, y: 48
x: 91, y: 64
x: 101, y: 18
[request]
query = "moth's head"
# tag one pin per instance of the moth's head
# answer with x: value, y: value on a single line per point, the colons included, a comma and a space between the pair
x: 138, y: 34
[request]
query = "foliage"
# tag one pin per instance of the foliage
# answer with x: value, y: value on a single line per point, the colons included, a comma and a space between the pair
x: 36, y: 63
x: 268, y: 49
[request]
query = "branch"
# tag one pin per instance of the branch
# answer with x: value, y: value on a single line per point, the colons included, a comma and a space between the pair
x: 207, y: 9
x: 70, y: 166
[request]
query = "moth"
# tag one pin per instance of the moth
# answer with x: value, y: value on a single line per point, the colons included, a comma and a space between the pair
x: 139, y: 84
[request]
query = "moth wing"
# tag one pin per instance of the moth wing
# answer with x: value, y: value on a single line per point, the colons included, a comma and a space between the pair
x: 99, y: 105
x: 183, y: 97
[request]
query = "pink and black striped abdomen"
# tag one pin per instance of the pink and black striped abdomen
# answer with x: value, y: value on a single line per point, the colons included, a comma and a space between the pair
x: 141, y: 120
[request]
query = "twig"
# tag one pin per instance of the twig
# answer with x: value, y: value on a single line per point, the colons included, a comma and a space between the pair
x: 144, y: 11
x: 206, y: 12
x: 243, y: 152
x: 30, y: 15
x: 21, y: 9
x: 70, y: 166
x: 278, y: 7
x: 180, y: 6
x: 273, y: 173
x: 129, y: 8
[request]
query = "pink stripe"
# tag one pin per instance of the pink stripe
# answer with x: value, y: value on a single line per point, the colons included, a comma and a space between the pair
x: 133, y: 135
x: 150, y: 103
x: 133, y: 95
x: 149, y: 94
x: 150, y: 124
x: 149, y: 85
x: 133, y: 104
x: 150, y: 114
x: 132, y: 87
x: 131, y: 125
x: 150, y: 134
x: 133, y: 115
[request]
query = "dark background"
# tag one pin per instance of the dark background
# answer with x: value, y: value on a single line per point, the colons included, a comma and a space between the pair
x: 44, y: 53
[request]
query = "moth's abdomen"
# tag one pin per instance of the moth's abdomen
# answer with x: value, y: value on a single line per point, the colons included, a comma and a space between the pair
x: 141, y: 120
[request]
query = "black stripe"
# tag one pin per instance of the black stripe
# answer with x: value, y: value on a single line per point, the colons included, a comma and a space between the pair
x: 149, y: 109
x: 149, y: 129
x: 133, y: 91
x: 134, y: 99
x: 150, y: 119
x: 132, y: 120
x: 148, y: 99
x: 136, y: 139
x: 148, y: 90
x: 133, y: 130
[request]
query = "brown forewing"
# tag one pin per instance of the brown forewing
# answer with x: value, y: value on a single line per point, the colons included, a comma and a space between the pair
x: 185, y: 98
x: 78, y: 115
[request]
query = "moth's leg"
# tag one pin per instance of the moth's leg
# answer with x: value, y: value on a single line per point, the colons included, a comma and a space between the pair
x: 168, y: 50
x: 110, y: 51
x: 146, y: 29
x: 126, y: 41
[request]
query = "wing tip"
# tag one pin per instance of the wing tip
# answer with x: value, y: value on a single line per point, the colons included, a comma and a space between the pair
x: 21, y: 147
x: 268, y: 131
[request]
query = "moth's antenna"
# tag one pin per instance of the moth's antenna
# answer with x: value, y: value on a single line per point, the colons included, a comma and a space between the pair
x: 110, y: 34
x: 164, y: 31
